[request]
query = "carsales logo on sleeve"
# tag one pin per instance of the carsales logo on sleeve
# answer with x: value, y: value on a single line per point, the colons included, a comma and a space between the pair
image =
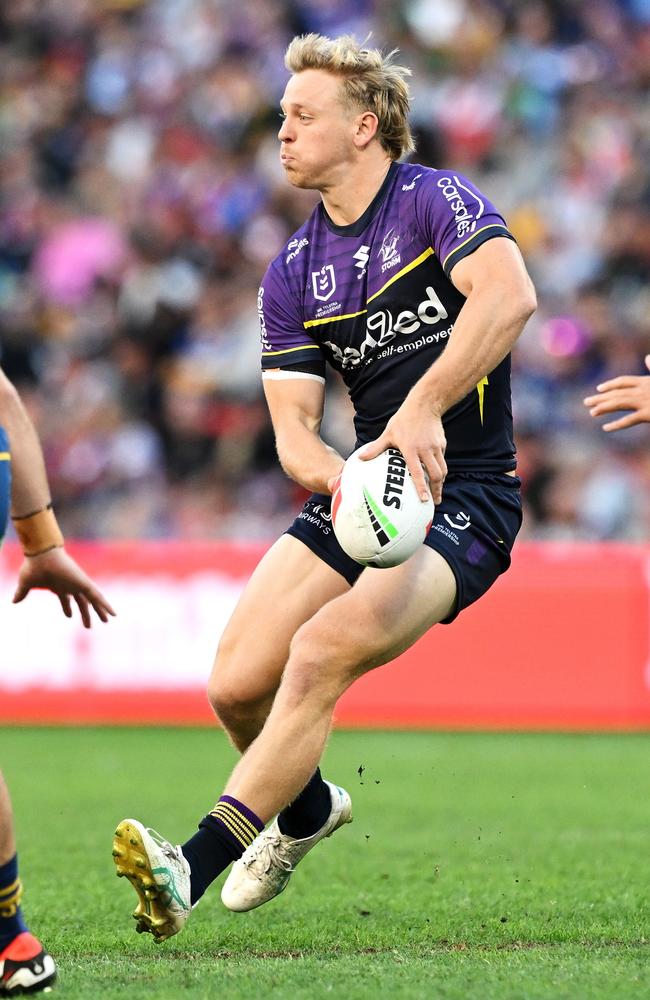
x: 466, y: 206
x: 266, y: 344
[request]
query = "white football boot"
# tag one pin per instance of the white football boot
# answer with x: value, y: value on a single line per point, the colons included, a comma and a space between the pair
x: 264, y: 869
x: 159, y: 874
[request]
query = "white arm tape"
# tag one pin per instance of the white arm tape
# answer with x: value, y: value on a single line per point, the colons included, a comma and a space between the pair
x: 279, y: 373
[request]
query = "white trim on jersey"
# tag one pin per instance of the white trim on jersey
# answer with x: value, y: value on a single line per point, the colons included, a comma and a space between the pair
x: 278, y: 374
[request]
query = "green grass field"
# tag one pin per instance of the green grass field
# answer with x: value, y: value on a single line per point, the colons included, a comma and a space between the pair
x: 478, y: 866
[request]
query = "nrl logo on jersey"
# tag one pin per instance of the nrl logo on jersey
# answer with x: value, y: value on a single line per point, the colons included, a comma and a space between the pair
x: 323, y: 283
x: 467, y: 207
x: 388, y: 251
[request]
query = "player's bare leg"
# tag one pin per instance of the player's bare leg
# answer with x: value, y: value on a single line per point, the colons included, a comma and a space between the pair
x: 287, y: 588
x: 252, y: 654
x: 7, y: 838
x: 24, y: 964
x: 381, y: 616
x: 245, y: 679
x: 384, y: 614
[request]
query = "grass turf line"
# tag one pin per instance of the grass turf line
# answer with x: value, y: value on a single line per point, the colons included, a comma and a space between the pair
x: 478, y: 866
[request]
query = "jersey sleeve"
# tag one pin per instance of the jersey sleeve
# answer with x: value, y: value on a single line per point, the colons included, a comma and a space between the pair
x: 458, y: 218
x: 285, y: 341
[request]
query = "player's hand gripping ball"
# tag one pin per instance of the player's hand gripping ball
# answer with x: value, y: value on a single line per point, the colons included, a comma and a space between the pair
x: 377, y: 515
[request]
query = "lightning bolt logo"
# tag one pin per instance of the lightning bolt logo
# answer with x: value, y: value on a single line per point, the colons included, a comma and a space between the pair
x: 361, y: 257
x: 480, y: 388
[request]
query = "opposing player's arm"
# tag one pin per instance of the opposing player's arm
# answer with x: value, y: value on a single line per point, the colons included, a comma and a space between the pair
x: 30, y: 490
x: 500, y: 298
x: 47, y: 565
x: 296, y: 408
x: 627, y: 392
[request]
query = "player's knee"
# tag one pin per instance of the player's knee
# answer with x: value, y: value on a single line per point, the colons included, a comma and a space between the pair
x: 233, y: 706
x: 319, y: 666
x: 236, y: 693
x: 225, y: 692
x: 228, y: 699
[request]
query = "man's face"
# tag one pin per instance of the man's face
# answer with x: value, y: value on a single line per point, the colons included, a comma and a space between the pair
x: 317, y: 130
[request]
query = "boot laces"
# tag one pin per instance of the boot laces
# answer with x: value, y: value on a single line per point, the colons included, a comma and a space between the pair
x: 168, y: 849
x: 267, y: 854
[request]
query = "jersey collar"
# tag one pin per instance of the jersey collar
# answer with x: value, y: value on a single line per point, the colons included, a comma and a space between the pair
x: 356, y: 228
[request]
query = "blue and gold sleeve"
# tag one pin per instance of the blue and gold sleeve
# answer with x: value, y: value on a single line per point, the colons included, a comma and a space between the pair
x: 5, y: 482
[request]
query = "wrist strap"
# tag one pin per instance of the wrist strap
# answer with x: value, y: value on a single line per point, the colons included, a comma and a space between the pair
x: 23, y: 517
x: 38, y: 532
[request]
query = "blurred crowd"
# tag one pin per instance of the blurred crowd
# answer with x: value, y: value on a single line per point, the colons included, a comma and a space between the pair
x: 141, y: 198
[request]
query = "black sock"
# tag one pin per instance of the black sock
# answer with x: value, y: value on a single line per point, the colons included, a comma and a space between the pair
x: 222, y: 837
x: 309, y: 811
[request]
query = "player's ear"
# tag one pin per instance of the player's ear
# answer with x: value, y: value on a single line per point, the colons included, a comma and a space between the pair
x: 366, y: 124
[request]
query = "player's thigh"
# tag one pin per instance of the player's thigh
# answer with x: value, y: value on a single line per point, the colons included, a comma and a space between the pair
x: 289, y: 585
x: 385, y: 612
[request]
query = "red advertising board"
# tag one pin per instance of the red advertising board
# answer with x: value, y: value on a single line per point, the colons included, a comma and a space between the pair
x: 560, y: 642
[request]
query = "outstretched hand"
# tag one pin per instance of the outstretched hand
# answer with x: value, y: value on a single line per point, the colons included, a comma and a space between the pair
x: 58, y: 572
x: 417, y: 431
x: 627, y: 392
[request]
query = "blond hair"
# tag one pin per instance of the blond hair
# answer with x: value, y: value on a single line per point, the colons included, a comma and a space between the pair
x: 371, y: 82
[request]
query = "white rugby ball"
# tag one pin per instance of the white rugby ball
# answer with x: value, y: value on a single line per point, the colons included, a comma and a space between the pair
x: 377, y: 515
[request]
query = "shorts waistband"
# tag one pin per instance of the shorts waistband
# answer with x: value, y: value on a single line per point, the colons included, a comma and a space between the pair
x: 489, y: 478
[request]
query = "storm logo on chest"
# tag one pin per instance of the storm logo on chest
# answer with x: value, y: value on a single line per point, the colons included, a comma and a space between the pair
x: 388, y: 250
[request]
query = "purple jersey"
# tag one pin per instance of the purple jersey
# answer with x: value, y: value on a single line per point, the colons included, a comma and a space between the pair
x: 374, y: 300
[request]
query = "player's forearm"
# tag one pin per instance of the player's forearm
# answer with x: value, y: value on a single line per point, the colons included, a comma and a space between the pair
x: 487, y: 327
x: 306, y: 458
x: 29, y: 487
